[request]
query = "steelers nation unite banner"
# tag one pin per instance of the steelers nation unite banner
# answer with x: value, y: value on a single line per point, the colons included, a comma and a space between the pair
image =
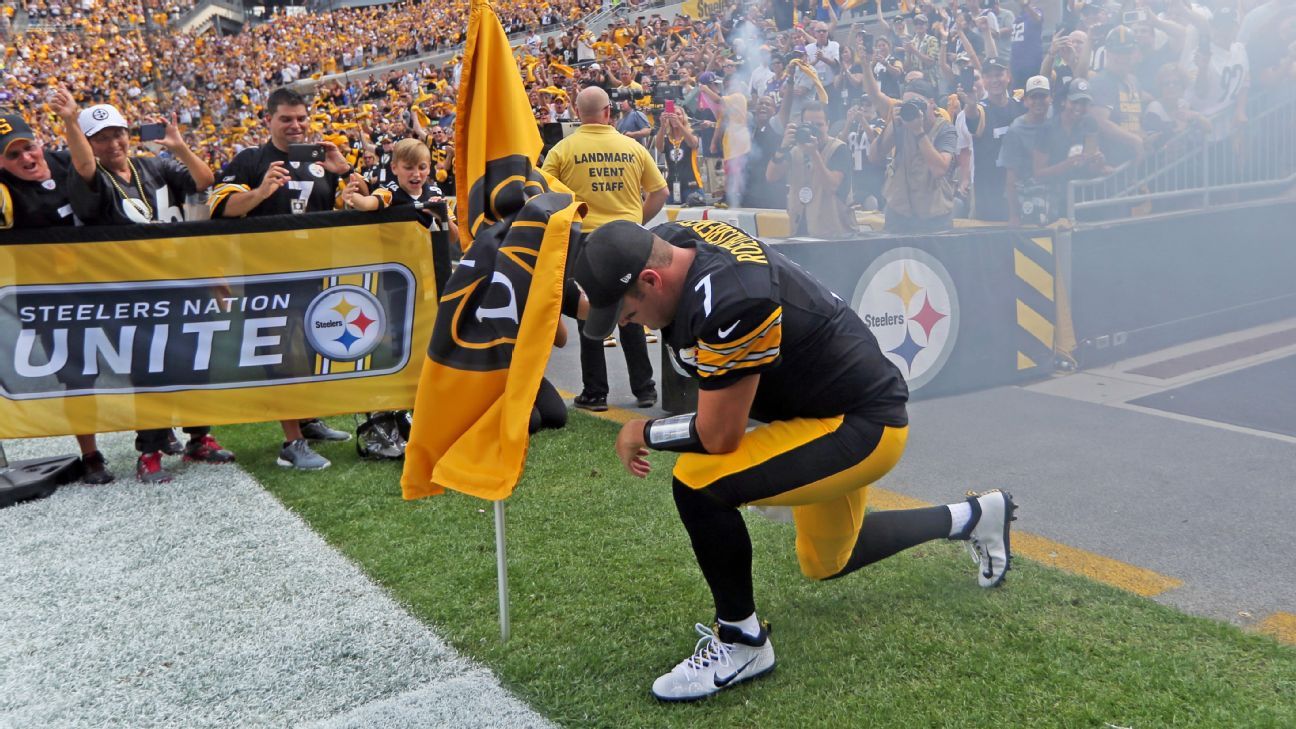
x: 227, y: 321
x: 499, y: 314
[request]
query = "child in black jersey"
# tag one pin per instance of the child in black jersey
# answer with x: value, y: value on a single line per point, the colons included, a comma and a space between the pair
x: 412, y: 167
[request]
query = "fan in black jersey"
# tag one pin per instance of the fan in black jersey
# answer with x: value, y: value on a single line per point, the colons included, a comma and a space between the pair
x: 765, y: 340
x: 265, y: 181
x: 33, y: 194
x: 33, y: 180
x: 411, y: 170
x: 102, y: 171
x: 109, y: 185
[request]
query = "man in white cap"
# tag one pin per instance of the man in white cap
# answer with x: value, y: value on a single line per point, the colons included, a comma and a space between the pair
x: 1017, y: 155
x: 111, y: 187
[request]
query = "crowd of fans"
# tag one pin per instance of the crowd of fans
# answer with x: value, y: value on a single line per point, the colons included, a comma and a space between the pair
x: 925, y: 112
x: 1138, y: 75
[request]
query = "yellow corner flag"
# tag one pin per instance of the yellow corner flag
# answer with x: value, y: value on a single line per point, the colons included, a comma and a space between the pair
x: 496, y: 321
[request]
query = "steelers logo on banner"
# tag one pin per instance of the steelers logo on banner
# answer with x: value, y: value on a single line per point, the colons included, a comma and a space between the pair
x: 908, y: 300
x: 345, y: 323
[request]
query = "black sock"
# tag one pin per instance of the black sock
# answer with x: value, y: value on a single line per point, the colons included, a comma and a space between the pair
x: 887, y: 532
x: 723, y: 550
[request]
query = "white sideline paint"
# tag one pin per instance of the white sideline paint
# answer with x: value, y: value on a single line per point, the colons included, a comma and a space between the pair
x: 205, y: 603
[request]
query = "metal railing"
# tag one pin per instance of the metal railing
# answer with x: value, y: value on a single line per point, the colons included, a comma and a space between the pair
x: 1192, y: 170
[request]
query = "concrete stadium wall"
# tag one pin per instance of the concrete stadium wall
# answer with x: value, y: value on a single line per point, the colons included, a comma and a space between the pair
x: 1149, y: 283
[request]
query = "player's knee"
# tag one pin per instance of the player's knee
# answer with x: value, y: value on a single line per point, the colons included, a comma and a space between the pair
x: 818, y: 564
x: 817, y: 570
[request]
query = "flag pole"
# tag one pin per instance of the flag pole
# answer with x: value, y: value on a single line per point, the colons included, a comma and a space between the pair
x: 501, y: 571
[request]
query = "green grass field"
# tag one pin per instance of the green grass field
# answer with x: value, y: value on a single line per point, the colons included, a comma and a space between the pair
x: 605, y: 593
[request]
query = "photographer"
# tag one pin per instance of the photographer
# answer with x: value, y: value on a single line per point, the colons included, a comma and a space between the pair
x: 678, y: 145
x: 633, y: 123
x: 920, y: 185
x: 816, y: 167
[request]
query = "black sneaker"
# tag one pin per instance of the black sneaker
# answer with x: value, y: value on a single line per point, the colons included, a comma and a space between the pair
x: 316, y: 430
x: 96, y: 469
x: 172, y: 447
x: 593, y: 404
x: 646, y: 400
x: 207, y: 450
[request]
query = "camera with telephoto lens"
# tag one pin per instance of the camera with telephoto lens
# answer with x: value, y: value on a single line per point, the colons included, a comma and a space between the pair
x: 617, y: 95
x: 805, y: 133
x: 912, y: 109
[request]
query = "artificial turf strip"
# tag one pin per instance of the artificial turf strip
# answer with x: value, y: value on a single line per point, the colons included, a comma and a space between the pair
x: 605, y: 593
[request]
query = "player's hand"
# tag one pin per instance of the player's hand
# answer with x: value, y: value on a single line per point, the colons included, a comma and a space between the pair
x: 630, y: 448
x: 275, y: 177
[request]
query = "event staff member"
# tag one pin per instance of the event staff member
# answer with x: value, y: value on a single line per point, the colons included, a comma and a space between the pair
x: 816, y: 167
x: 766, y: 341
x: 677, y: 143
x: 98, y: 140
x: 920, y: 182
x: 987, y: 122
x: 33, y: 195
x: 617, y: 178
x: 264, y: 181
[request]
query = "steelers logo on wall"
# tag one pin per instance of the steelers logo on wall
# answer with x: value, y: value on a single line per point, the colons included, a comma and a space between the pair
x: 345, y: 323
x: 908, y: 300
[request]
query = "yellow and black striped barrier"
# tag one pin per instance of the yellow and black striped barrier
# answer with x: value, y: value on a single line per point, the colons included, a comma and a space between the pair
x: 1043, y: 311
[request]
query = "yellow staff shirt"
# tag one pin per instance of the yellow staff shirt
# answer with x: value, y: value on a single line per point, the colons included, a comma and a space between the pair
x: 608, y: 171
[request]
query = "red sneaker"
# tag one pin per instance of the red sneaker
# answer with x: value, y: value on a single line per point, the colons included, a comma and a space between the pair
x: 206, y: 450
x: 149, y: 468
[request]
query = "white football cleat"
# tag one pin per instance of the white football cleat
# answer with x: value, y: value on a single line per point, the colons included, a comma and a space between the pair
x: 988, y: 539
x: 722, y: 658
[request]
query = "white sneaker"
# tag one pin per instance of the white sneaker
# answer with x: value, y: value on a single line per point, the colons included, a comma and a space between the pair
x: 718, y: 662
x: 988, y: 539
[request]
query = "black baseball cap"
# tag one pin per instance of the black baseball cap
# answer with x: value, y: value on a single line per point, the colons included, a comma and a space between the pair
x: 995, y: 64
x: 1078, y: 90
x: 612, y: 259
x: 16, y: 130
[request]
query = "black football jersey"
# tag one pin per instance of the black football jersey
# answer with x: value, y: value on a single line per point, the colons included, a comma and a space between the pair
x: 38, y: 204
x: 429, y: 193
x: 746, y: 309
x: 393, y: 194
x: 311, y: 189
x: 164, y: 182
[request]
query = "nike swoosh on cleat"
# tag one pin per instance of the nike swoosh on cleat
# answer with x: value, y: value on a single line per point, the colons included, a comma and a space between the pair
x: 722, y: 682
